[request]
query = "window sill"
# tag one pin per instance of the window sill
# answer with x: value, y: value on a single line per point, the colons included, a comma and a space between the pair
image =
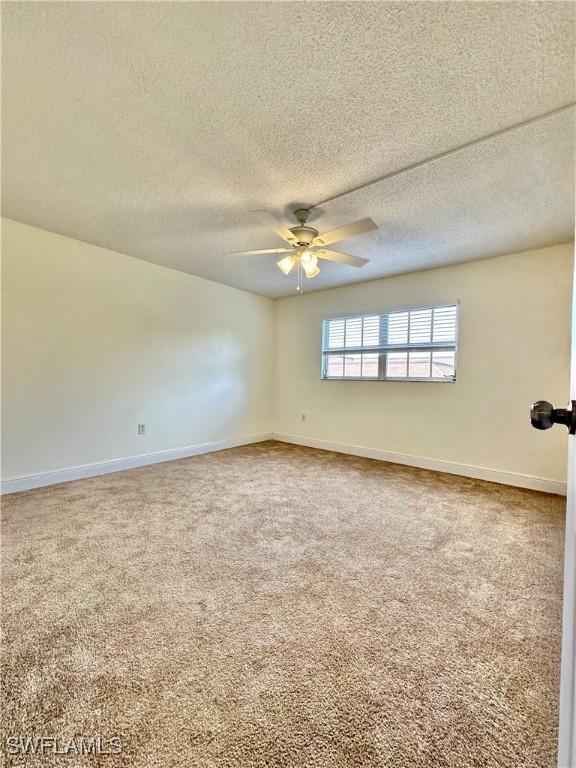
x: 404, y: 381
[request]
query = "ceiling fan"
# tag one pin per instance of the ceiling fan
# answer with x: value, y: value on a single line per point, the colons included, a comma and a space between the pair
x: 307, y: 244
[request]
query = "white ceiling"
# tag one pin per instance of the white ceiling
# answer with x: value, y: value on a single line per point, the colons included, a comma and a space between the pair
x: 154, y: 129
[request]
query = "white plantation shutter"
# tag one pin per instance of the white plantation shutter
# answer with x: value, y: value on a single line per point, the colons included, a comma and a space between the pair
x: 353, y: 333
x: 371, y: 331
x: 420, y: 326
x: 336, y: 333
x: 444, y: 324
x: 398, y: 324
x: 414, y: 344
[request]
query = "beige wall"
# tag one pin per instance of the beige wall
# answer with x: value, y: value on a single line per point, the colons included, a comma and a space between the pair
x: 95, y: 342
x: 514, y: 347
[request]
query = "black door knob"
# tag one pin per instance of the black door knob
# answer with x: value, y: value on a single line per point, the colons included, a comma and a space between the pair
x: 543, y: 415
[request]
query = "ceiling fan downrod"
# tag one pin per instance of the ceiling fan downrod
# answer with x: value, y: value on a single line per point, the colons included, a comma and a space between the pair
x: 302, y: 215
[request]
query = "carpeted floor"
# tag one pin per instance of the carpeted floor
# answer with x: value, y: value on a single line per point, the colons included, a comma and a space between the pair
x: 284, y: 607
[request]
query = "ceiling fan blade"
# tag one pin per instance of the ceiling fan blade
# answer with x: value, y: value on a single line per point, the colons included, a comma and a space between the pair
x: 259, y: 252
x: 276, y: 226
x: 343, y: 233
x: 342, y: 258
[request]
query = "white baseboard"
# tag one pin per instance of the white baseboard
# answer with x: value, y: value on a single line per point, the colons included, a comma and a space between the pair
x: 28, y: 482
x: 438, y: 465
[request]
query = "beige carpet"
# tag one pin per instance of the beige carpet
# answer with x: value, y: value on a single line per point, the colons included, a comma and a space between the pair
x: 280, y: 606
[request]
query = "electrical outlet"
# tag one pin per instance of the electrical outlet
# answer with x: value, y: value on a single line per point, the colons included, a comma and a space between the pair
x: 303, y: 417
x: 141, y: 429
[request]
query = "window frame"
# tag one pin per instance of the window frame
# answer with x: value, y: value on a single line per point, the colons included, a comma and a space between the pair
x: 382, y: 353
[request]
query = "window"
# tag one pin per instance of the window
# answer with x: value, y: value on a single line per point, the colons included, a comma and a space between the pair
x: 410, y: 345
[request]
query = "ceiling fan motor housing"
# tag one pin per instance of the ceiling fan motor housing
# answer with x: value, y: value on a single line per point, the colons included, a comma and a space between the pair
x: 304, y: 235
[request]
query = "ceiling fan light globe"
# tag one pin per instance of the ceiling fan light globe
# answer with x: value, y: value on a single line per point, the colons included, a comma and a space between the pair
x: 286, y: 265
x: 309, y: 259
x: 311, y: 271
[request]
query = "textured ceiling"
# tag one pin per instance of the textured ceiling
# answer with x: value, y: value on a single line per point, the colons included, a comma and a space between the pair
x: 154, y: 129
